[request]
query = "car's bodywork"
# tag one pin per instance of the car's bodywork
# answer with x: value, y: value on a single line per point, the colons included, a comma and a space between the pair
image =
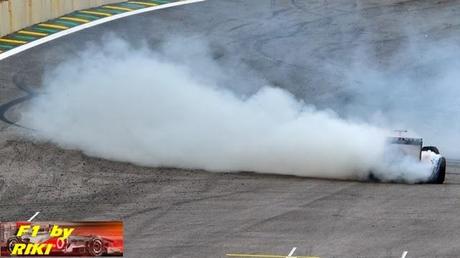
x: 410, y: 147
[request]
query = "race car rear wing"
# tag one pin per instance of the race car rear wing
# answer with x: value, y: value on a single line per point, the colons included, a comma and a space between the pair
x: 407, y: 146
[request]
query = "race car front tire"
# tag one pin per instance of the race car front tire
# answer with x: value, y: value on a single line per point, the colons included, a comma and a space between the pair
x: 11, y: 242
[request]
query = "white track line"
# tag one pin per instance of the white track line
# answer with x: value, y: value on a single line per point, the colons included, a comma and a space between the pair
x: 63, y: 33
x: 292, y: 252
x: 33, y: 217
x: 404, y: 254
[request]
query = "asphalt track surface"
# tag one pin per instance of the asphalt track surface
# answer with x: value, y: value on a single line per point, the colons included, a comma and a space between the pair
x: 177, y: 213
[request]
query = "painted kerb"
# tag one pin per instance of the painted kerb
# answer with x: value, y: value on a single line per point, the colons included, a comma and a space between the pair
x: 18, y: 14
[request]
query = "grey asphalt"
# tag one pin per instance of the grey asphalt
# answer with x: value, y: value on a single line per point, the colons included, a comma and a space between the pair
x: 177, y: 213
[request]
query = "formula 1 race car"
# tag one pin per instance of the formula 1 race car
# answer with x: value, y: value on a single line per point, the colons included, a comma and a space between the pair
x: 86, y: 245
x: 429, y: 155
x: 74, y: 245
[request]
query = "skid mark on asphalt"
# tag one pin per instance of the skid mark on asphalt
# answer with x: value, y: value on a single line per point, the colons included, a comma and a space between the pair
x: 21, y: 85
x: 302, y: 205
x: 2, y: 184
x: 163, y: 211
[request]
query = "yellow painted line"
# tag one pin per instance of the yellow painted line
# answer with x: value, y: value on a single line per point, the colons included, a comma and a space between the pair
x: 96, y: 13
x: 267, y: 256
x: 46, y: 25
x: 74, y: 19
x: 142, y: 3
x: 13, y: 41
x: 118, y: 8
x: 32, y: 33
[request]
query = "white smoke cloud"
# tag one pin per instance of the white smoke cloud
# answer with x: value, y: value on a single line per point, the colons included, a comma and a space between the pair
x: 161, y: 109
x: 415, y: 87
x: 397, y: 167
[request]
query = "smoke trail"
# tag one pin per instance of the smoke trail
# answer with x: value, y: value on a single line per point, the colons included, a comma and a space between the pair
x: 154, y: 109
x: 414, y: 88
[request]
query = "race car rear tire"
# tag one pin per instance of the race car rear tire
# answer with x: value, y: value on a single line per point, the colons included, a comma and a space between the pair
x: 95, y: 246
x: 440, y: 175
x: 430, y: 148
x: 442, y: 171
